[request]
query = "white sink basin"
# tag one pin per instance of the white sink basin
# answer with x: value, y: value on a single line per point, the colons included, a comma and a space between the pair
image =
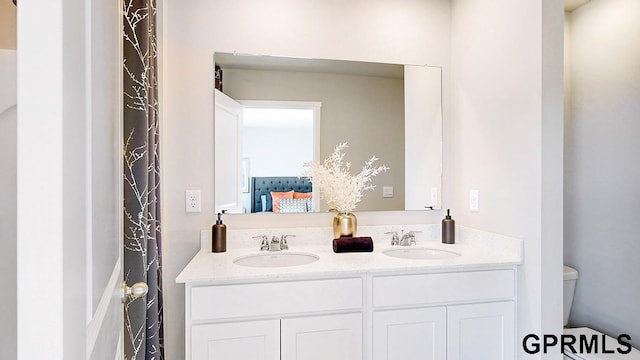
x: 420, y: 253
x: 275, y: 259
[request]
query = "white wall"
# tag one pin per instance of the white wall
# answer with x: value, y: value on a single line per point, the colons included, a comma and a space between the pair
x: 8, y: 188
x: 392, y: 31
x: 508, y: 139
x: 602, y: 196
x: 277, y: 151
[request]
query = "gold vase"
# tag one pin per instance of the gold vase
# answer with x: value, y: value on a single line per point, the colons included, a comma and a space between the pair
x: 344, y: 225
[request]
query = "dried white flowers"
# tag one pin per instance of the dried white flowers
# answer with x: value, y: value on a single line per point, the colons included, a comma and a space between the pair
x: 336, y: 185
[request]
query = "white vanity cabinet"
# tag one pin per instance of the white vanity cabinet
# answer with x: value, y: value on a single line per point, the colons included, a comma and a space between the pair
x: 412, y: 334
x: 305, y: 338
x: 289, y: 320
x: 454, y: 316
x: 354, y: 306
x: 481, y: 331
x: 236, y: 340
x: 322, y: 337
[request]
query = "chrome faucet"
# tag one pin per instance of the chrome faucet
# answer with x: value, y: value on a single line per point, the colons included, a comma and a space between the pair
x: 395, y: 240
x: 283, y: 242
x: 264, y: 244
x: 276, y: 244
x: 406, y: 239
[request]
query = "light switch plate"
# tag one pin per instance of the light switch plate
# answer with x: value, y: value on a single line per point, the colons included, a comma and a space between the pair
x: 434, y: 197
x: 474, y: 200
x: 387, y: 191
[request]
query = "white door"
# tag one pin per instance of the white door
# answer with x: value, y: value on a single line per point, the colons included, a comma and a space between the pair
x: 227, y: 141
x: 413, y: 334
x: 335, y: 337
x: 69, y: 180
x: 481, y: 331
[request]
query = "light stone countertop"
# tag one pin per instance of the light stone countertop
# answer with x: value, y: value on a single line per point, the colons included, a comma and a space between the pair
x: 478, y: 250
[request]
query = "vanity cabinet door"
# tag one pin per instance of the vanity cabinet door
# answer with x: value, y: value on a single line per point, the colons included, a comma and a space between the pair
x: 414, y: 334
x: 481, y: 331
x: 335, y: 337
x: 259, y: 340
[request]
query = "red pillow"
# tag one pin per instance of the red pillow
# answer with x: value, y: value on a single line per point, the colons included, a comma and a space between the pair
x: 302, y: 195
x: 275, y: 199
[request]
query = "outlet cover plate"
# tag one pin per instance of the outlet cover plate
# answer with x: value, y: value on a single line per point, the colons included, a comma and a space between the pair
x: 192, y: 201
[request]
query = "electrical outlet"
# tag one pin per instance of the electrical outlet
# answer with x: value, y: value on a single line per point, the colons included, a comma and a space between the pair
x: 192, y: 201
x: 434, y: 197
x: 474, y: 200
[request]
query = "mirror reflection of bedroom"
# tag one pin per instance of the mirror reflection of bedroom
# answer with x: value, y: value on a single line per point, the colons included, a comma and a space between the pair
x: 260, y: 147
x: 277, y: 139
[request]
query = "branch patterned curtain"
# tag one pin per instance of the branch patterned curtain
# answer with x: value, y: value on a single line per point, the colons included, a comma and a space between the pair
x: 143, y: 326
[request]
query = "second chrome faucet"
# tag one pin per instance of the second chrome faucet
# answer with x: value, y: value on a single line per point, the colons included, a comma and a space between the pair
x: 276, y: 244
x: 405, y: 239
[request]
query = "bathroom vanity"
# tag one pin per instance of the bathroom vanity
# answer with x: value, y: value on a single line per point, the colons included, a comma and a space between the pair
x: 448, y: 303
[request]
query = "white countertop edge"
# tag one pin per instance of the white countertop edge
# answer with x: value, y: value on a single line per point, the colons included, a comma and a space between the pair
x: 337, y: 274
x: 479, y: 250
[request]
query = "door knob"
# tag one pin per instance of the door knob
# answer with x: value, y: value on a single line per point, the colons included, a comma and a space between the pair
x: 137, y: 290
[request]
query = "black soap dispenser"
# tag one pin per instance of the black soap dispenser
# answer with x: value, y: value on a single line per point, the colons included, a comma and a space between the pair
x: 448, y: 230
x: 219, y: 235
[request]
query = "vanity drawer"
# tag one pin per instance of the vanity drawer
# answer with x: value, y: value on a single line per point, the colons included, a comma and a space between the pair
x: 276, y: 298
x: 442, y: 288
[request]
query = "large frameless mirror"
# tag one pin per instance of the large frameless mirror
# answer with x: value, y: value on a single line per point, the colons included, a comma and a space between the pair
x: 275, y: 113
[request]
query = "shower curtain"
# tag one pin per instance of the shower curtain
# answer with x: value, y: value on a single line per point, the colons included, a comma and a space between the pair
x: 143, y: 325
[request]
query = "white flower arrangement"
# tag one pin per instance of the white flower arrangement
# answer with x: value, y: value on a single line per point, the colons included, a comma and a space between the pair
x: 336, y: 185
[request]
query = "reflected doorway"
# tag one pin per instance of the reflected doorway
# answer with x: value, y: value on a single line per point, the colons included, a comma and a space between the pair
x: 278, y: 137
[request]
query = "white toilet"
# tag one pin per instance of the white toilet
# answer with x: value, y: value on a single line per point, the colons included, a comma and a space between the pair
x: 570, y: 278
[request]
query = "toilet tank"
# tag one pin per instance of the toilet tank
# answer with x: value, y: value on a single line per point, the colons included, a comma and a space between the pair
x: 570, y: 277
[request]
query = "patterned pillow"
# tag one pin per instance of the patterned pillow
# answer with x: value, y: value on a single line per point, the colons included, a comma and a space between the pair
x: 302, y: 195
x: 276, y: 197
x: 309, y: 204
x: 293, y: 205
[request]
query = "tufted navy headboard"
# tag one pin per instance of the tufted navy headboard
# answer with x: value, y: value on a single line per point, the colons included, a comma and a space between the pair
x: 265, y: 185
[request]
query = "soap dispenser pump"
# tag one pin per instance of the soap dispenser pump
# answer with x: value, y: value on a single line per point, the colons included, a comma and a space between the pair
x: 448, y: 230
x: 219, y: 235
